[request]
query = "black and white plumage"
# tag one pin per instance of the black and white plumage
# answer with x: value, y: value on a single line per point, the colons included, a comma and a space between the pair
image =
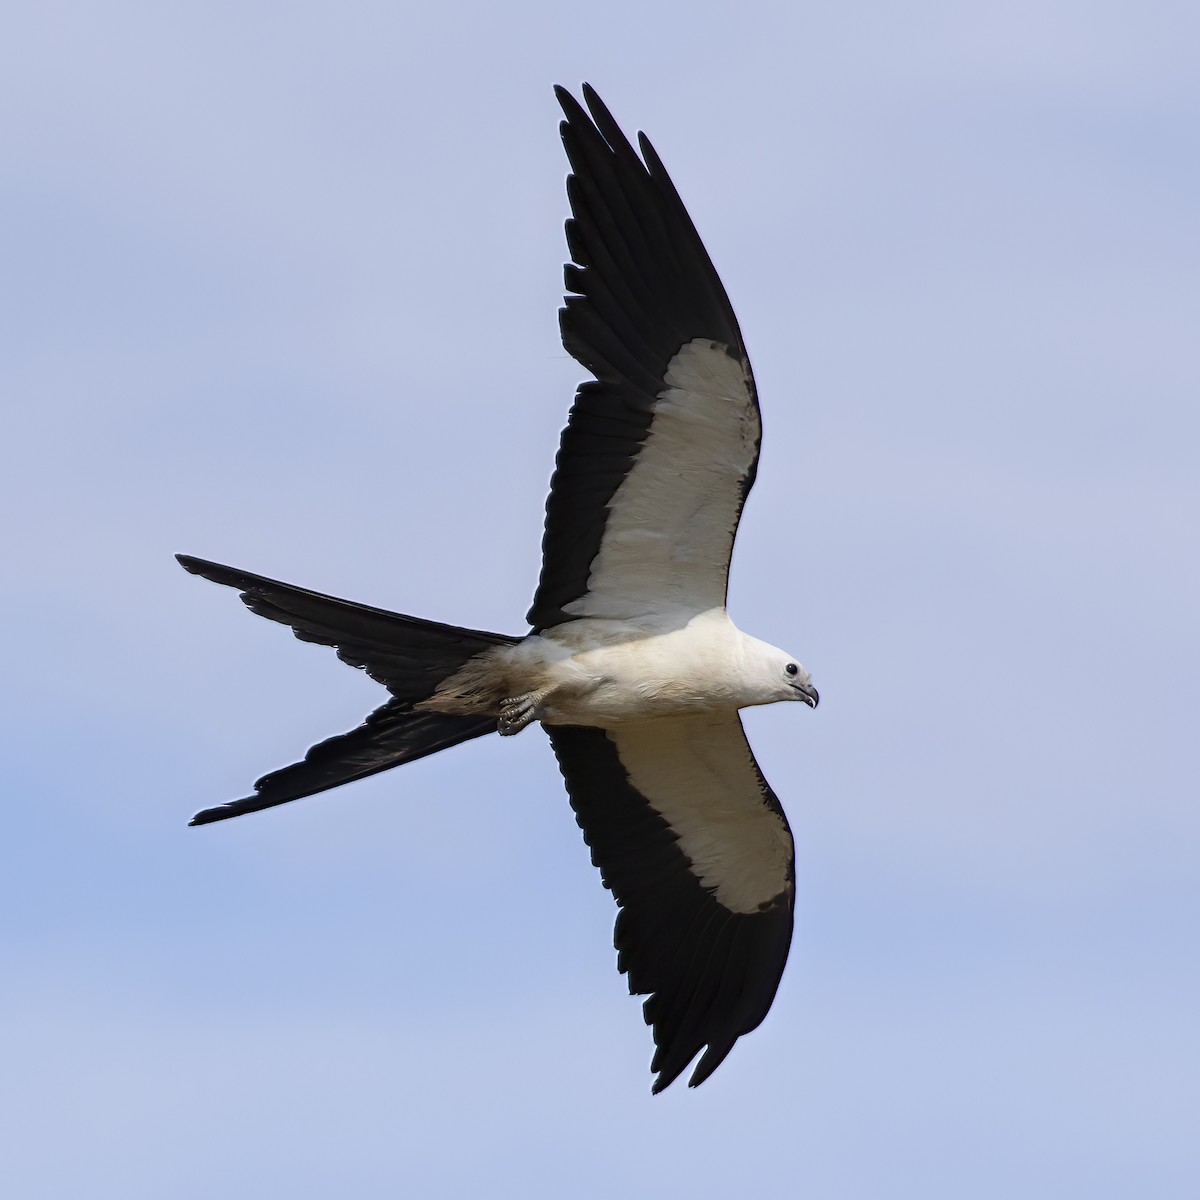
x: 633, y: 666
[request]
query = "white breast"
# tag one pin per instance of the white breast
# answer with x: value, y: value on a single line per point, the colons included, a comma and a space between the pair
x: 606, y: 672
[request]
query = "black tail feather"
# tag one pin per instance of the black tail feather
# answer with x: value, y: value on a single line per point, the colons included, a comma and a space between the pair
x: 408, y: 655
x: 391, y: 735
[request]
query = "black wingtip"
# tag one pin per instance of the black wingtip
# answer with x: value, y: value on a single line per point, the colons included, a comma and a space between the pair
x: 596, y: 114
x: 596, y: 106
x: 572, y: 109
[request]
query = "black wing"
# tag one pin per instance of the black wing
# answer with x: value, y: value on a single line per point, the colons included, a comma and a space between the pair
x: 697, y: 852
x: 660, y: 450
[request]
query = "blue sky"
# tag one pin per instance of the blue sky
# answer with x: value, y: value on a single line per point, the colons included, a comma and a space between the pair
x: 279, y: 289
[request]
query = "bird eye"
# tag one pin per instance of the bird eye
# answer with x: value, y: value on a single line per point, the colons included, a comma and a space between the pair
x: 792, y: 669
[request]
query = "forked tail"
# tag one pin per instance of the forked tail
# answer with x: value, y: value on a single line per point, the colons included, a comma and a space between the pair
x: 409, y: 656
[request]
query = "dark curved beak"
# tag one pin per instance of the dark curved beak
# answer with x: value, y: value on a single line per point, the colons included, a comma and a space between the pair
x: 808, y: 694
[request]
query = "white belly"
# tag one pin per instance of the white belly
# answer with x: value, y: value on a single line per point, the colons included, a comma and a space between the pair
x: 599, y: 674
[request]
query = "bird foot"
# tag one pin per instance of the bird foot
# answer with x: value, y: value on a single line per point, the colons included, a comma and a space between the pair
x: 518, y: 711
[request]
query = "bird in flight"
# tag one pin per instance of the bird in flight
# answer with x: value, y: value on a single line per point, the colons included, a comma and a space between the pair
x: 632, y: 666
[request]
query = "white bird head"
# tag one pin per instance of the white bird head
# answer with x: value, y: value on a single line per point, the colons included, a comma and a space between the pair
x: 773, y: 675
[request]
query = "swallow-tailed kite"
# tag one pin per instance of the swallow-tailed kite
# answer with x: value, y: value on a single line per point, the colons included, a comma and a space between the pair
x: 633, y: 667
